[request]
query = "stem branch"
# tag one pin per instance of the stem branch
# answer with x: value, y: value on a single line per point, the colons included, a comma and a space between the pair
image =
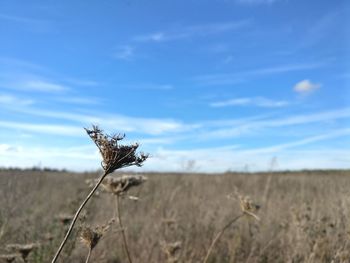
x: 125, y: 244
x: 88, y: 256
x: 75, y: 218
x: 218, y: 235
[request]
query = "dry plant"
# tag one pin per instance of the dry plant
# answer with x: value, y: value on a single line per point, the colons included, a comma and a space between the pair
x: 114, y: 156
x: 119, y: 187
x: 248, y: 208
x: 91, y: 236
x: 171, y: 250
x: 23, y: 250
x: 8, y: 258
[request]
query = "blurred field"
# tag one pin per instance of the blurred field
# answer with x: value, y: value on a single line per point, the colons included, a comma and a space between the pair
x: 304, y: 217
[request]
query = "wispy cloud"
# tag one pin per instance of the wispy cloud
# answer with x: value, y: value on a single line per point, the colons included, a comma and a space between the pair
x: 237, y: 77
x: 82, y: 82
x: 249, y: 127
x: 305, y: 141
x: 57, y: 129
x: 31, y: 83
x: 150, y: 126
x: 15, y: 64
x: 11, y: 100
x: 306, y: 87
x: 125, y: 52
x: 192, y: 31
x: 150, y: 86
x: 208, y: 160
x: 79, y: 100
x: 42, y: 86
x: 221, y: 159
x: 216, y: 159
x: 256, y: 101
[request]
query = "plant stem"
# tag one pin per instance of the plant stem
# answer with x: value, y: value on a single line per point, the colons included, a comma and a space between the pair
x: 218, y: 235
x: 76, y: 217
x: 125, y: 244
x: 88, y: 256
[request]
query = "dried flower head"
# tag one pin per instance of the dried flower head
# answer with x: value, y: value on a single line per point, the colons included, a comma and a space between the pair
x: 23, y: 250
x: 90, y: 236
x: 8, y: 258
x: 248, y: 207
x: 120, y: 185
x: 171, y: 249
x: 114, y: 155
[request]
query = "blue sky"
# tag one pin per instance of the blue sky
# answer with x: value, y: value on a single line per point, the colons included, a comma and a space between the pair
x: 204, y: 85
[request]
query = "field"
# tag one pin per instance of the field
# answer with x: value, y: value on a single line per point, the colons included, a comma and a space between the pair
x: 304, y: 217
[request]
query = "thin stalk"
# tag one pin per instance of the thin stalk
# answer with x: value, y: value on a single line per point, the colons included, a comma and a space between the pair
x: 75, y: 218
x: 88, y: 256
x: 125, y: 244
x: 218, y: 235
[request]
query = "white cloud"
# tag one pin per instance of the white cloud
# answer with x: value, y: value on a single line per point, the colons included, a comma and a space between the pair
x: 16, y: 64
x: 257, y: 101
x: 150, y: 126
x: 234, y: 78
x: 193, y: 31
x: 156, y: 37
x: 124, y: 52
x: 33, y: 83
x: 277, y: 148
x: 252, y: 126
x: 306, y: 86
x: 65, y: 130
x: 10, y: 100
x: 149, y: 86
x: 79, y: 100
x: 216, y: 159
x: 221, y: 159
x: 208, y: 160
x: 42, y: 86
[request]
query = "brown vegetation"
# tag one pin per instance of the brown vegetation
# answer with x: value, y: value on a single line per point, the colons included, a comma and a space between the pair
x: 304, y: 217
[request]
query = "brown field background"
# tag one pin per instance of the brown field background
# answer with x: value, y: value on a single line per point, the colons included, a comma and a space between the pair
x: 304, y: 216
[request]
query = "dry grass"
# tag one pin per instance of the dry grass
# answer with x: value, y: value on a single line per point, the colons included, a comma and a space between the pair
x: 114, y: 156
x: 304, y: 217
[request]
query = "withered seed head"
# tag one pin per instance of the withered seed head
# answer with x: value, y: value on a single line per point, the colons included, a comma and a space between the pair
x: 249, y: 207
x: 24, y: 250
x: 91, y: 236
x: 115, y: 156
x: 122, y: 184
x: 170, y: 249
